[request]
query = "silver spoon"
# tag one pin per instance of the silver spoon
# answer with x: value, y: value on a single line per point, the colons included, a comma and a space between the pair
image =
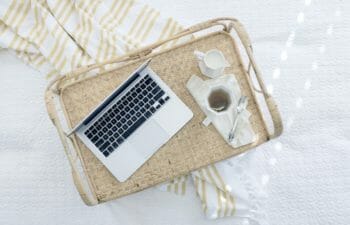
x: 242, y: 104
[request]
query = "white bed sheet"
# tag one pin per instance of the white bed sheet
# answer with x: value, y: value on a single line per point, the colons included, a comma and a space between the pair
x: 306, y: 172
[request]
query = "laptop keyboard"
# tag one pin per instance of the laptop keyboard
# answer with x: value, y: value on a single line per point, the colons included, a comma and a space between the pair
x: 126, y: 115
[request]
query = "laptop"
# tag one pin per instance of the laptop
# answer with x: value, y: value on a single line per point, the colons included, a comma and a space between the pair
x: 133, y: 122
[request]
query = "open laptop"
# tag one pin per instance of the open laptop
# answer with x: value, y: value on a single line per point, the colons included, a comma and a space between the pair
x: 133, y: 122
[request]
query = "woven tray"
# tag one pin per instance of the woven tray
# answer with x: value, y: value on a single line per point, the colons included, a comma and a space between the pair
x: 195, y: 146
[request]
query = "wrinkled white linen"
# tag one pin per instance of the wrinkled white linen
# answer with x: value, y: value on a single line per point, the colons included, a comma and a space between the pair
x: 306, y: 171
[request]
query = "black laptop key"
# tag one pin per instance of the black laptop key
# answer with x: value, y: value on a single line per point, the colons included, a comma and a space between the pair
x: 104, y: 146
x: 99, y: 142
x: 110, y: 149
x: 167, y: 98
x: 131, y: 130
x: 94, y: 139
x: 125, y: 103
x: 120, y: 140
x: 148, y: 81
x: 161, y: 101
x: 155, y: 90
x: 148, y: 114
x: 115, y: 145
x: 106, y: 153
x: 89, y: 135
x: 153, y: 110
x: 160, y: 94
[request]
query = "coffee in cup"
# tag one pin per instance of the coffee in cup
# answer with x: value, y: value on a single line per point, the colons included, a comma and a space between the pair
x: 219, y: 100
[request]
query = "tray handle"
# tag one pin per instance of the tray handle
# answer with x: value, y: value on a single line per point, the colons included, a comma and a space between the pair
x: 234, y: 24
x: 228, y: 24
x: 54, y: 89
x: 270, y: 102
x: 143, y: 52
x: 83, y: 185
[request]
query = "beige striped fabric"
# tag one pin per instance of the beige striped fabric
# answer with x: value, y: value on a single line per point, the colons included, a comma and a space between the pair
x: 57, y: 36
x: 217, y: 200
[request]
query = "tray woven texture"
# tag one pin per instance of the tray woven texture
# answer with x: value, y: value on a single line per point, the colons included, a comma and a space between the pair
x: 192, y: 147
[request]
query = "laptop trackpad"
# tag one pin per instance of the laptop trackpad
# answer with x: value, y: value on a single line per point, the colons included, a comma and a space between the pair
x: 148, y: 139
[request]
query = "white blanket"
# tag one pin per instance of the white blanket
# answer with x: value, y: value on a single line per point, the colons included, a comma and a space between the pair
x: 306, y: 171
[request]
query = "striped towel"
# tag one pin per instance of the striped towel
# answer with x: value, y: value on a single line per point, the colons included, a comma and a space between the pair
x: 57, y: 36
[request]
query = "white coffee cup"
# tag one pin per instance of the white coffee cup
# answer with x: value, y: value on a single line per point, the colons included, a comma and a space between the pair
x: 212, y: 63
x: 219, y: 103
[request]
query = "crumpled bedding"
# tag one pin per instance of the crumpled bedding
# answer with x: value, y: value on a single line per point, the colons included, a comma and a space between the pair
x: 302, y: 48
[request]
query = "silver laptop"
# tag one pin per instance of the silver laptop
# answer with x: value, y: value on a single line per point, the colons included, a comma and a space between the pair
x: 131, y: 124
